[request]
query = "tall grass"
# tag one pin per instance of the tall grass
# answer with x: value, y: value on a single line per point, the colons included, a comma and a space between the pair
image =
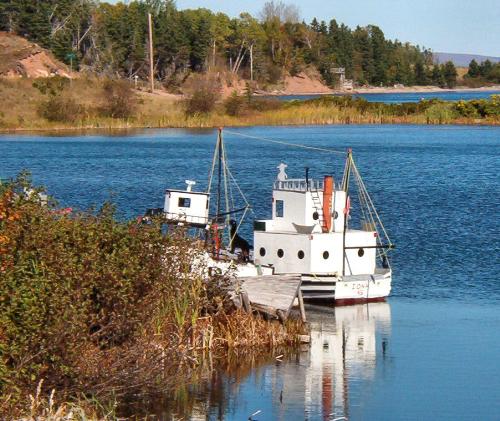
x: 18, y: 111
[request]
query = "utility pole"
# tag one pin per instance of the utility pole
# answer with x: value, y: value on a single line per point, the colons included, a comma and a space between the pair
x: 151, y: 70
x: 251, y: 62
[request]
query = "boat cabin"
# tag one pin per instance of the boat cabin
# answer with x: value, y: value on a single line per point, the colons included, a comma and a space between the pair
x: 306, y: 232
x: 187, y: 206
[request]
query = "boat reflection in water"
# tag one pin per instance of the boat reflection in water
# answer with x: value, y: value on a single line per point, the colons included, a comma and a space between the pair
x: 328, y: 379
x: 345, y: 342
x: 324, y: 381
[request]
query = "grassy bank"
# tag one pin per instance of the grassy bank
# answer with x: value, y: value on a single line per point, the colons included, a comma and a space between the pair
x: 86, y: 104
x: 101, y: 309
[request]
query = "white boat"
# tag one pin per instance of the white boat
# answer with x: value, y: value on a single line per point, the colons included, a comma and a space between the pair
x: 312, y: 232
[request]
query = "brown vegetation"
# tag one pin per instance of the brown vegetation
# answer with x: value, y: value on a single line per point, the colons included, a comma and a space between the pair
x: 22, y: 104
x: 94, y: 306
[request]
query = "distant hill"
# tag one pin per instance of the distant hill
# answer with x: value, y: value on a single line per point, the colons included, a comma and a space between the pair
x: 462, y: 60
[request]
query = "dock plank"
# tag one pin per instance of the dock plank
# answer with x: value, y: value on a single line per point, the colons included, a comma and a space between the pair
x: 273, y: 294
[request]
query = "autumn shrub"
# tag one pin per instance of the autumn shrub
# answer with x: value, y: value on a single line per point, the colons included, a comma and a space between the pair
x: 58, y: 104
x: 94, y: 305
x: 80, y: 284
x: 202, y: 91
x: 118, y: 99
x: 265, y: 104
x: 60, y: 108
x: 235, y: 105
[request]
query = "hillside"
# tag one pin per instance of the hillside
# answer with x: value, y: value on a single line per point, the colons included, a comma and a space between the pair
x: 19, y: 57
x: 463, y: 60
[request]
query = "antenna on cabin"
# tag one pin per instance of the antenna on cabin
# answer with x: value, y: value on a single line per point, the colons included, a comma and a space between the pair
x: 190, y: 184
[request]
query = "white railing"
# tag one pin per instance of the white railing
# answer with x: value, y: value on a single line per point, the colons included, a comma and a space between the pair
x: 182, y: 217
x: 298, y: 184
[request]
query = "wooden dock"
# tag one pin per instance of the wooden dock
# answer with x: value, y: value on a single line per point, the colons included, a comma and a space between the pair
x: 272, y: 295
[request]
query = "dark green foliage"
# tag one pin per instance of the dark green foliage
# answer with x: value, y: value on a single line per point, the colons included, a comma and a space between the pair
x: 420, y: 73
x: 437, y: 76
x: 449, y: 74
x: 486, y: 72
x: 473, y: 69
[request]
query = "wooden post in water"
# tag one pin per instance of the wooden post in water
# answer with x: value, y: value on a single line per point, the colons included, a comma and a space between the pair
x: 301, y: 306
x: 151, y: 65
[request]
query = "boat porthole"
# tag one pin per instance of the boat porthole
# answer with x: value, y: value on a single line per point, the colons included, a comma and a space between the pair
x: 326, y: 255
x: 335, y: 215
x: 315, y: 216
x: 281, y: 253
x: 361, y: 252
x: 300, y: 254
x: 262, y: 251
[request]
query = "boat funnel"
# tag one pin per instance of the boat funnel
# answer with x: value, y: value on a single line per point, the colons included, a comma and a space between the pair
x: 327, y: 203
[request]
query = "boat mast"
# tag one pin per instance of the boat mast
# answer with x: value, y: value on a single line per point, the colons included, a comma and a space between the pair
x: 345, y: 187
x: 219, y: 173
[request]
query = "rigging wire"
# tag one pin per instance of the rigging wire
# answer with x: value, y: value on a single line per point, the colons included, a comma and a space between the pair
x: 372, y: 206
x: 280, y: 142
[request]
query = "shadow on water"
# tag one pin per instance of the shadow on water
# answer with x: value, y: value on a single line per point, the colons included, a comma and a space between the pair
x: 347, y: 344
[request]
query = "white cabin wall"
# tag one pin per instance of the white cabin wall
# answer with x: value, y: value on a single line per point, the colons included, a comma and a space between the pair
x: 197, y: 211
x: 356, y: 265
x: 294, y: 209
x: 290, y: 243
x: 314, y: 249
x: 331, y: 243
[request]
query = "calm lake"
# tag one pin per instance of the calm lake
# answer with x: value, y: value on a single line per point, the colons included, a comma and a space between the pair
x: 400, y: 97
x: 432, y: 351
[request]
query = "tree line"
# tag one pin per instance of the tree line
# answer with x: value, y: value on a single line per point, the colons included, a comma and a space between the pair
x: 486, y: 71
x: 112, y: 39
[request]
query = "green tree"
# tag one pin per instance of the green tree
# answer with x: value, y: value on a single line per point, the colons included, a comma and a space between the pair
x: 437, y: 76
x: 485, y: 68
x: 450, y: 74
x: 420, y: 73
x: 474, y: 70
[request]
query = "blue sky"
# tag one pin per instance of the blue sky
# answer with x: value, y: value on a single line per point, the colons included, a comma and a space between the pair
x: 454, y: 26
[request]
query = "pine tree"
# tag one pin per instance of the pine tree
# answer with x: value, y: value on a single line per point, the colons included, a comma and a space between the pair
x: 473, y: 69
x: 450, y: 74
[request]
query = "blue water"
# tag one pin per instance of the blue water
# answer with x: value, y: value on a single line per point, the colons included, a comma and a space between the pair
x: 398, y: 98
x: 431, y: 352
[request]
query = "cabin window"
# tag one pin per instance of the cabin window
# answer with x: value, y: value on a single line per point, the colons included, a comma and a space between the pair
x: 361, y: 252
x: 281, y: 253
x: 184, y: 202
x: 300, y: 254
x: 262, y: 251
x: 326, y: 255
x: 280, y: 208
x: 315, y: 216
x: 335, y: 215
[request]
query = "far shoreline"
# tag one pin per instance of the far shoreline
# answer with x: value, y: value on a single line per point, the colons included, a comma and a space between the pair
x: 132, y: 128
x: 381, y: 90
